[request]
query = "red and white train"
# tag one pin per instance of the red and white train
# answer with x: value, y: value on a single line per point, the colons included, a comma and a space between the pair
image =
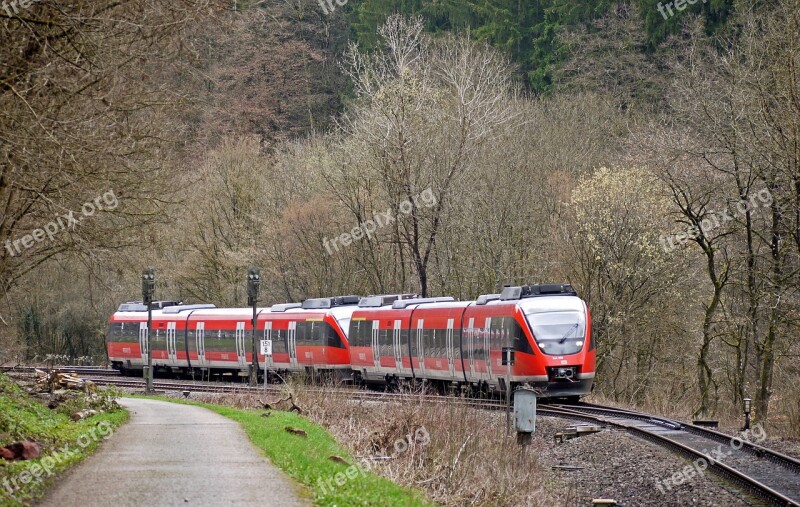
x: 377, y: 339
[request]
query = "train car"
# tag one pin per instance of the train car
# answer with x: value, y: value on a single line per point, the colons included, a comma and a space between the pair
x: 461, y: 343
x: 387, y: 339
x: 381, y: 349
x: 310, y: 336
x: 184, y: 338
x: 199, y: 339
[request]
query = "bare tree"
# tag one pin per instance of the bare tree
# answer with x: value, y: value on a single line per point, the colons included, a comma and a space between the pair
x: 425, y: 111
x: 83, y: 112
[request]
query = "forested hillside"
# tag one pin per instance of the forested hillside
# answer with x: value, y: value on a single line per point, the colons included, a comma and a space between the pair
x: 538, y: 36
x: 650, y: 159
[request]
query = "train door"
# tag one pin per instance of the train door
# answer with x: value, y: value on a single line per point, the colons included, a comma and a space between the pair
x: 292, y: 343
x: 397, y: 341
x: 240, y: 348
x: 451, y: 361
x: 420, y: 340
x: 144, y: 343
x: 268, y: 336
x: 200, y: 343
x: 487, y: 351
x: 376, y: 346
x: 471, y: 346
x: 172, y: 347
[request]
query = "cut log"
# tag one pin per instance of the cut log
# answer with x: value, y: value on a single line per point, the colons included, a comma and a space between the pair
x: 21, y: 450
x: 295, y: 431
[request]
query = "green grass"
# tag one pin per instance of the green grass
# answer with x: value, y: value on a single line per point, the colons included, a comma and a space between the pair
x: 64, y: 442
x: 306, y: 459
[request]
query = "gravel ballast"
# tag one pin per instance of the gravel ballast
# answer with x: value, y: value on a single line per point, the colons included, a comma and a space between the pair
x: 634, y: 472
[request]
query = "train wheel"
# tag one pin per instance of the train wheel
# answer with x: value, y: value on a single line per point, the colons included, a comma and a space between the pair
x: 358, y: 381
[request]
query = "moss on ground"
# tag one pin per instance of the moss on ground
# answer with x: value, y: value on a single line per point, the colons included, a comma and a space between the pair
x: 63, y: 442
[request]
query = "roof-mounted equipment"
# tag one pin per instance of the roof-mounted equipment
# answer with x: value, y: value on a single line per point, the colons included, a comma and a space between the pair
x: 402, y: 304
x: 185, y: 308
x: 138, y: 306
x: 325, y: 303
x: 485, y: 298
x: 284, y: 306
x: 543, y: 289
x: 383, y: 300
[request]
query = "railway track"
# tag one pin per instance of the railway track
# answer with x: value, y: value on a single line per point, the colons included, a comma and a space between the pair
x: 770, y: 475
x: 277, y: 389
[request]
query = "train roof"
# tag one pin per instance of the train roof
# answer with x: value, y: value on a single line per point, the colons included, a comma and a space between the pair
x: 427, y: 303
x: 532, y: 298
x: 184, y: 311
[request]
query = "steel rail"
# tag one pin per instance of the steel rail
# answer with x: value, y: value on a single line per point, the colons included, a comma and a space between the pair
x: 584, y: 413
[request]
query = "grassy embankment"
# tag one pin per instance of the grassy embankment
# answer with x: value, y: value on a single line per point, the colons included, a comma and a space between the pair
x: 63, y: 441
x: 307, y: 459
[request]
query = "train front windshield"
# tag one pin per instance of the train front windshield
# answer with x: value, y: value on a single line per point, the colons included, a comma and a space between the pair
x: 558, y: 333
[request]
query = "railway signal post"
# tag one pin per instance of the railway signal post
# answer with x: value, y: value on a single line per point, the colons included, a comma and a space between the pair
x: 253, y: 282
x: 747, y: 406
x: 508, y: 362
x: 148, y: 290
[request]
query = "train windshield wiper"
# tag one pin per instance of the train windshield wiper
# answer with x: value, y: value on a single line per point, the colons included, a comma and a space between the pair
x: 571, y: 330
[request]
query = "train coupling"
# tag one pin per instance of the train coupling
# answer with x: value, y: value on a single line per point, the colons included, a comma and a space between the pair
x: 567, y: 373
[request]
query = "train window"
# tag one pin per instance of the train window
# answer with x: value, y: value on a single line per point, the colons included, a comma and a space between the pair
x: 427, y: 342
x: 404, y: 334
x: 123, y: 332
x: 366, y: 333
x: 278, y: 338
x: 315, y: 333
x: 318, y: 333
x: 352, y: 335
x: 357, y: 332
x: 303, y: 334
x: 332, y: 338
x: 558, y: 333
x: 494, y: 332
x: 131, y: 331
x: 521, y: 342
x: 438, y: 343
x: 477, y: 343
x: 226, y: 341
x: 384, y: 342
x: 115, y: 332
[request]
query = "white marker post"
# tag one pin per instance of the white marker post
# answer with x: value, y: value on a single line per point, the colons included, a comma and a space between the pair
x: 266, y: 350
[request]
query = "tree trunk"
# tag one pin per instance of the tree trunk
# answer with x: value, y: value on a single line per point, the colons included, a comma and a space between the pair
x: 767, y: 352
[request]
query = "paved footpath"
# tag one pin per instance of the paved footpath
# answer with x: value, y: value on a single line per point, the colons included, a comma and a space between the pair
x: 171, y: 454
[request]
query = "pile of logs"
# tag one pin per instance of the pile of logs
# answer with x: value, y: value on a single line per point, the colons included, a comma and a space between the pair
x: 54, y: 380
